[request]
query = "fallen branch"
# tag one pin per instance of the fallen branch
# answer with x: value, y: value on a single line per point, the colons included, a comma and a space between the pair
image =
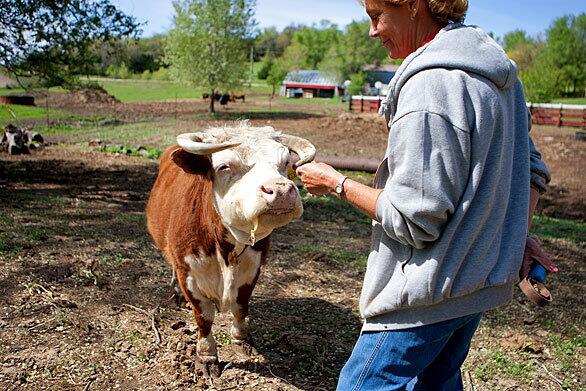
x: 41, y: 324
x: 278, y: 377
x: 87, y: 386
x: 154, y: 325
x: 558, y: 381
x: 152, y: 316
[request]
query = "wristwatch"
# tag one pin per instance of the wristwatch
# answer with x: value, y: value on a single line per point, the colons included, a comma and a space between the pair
x: 340, y: 186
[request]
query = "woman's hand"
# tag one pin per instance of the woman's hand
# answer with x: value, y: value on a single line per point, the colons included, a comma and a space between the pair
x: 319, y: 178
x: 533, y: 252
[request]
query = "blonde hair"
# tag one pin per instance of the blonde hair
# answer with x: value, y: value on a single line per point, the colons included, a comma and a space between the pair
x: 442, y: 10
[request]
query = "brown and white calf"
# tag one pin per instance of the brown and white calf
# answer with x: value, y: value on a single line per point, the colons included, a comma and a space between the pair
x: 216, y: 200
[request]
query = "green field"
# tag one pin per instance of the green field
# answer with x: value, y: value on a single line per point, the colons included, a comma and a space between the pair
x: 15, y: 113
x: 9, y: 91
x: 128, y: 90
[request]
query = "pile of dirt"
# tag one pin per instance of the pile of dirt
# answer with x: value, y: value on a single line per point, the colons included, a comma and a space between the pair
x: 81, y: 101
x: 92, y: 96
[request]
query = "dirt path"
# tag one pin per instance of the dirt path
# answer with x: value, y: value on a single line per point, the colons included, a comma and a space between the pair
x: 77, y: 269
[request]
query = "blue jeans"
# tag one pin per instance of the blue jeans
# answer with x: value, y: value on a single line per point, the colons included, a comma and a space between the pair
x: 420, y: 358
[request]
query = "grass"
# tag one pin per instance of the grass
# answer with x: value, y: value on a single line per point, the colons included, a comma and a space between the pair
x: 330, y: 208
x: 570, y: 101
x: 496, y: 362
x: 337, y: 255
x: 15, y: 113
x: 570, y: 230
x: 129, y: 90
x: 359, y: 176
x: 155, y: 134
x: 9, y: 91
x: 149, y: 153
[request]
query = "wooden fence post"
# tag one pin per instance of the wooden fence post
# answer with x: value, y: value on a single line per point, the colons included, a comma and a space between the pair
x: 560, y: 117
x: 361, y: 103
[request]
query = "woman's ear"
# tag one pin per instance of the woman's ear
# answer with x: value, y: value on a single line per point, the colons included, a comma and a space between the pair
x: 413, y: 8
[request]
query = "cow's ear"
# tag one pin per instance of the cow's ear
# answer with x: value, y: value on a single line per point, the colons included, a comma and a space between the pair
x: 191, y: 163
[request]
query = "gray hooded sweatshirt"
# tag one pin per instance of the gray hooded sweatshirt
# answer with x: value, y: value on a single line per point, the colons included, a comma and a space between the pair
x: 452, y: 218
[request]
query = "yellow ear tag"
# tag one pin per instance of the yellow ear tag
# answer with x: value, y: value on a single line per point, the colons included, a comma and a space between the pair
x: 291, y: 173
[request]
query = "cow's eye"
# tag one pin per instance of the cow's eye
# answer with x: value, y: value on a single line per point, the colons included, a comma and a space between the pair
x: 223, y: 167
x: 283, y: 165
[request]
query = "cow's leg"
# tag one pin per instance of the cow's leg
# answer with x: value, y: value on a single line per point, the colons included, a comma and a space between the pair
x: 239, y: 309
x: 179, y: 297
x: 204, y: 312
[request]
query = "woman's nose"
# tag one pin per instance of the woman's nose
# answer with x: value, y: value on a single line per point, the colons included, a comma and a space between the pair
x: 373, y: 33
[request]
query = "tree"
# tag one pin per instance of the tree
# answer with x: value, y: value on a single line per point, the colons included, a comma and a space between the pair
x: 207, y: 46
x: 276, y: 75
x: 521, y: 48
x: 558, y: 67
x: 267, y: 43
x: 513, y: 39
x: 566, y: 51
x: 51, y: 41
x: 317, y: 41
x: 140, y: 55
x: 357, y: 82
x: 355, y: 50
x: 295, y: 57
x: 265, y: 66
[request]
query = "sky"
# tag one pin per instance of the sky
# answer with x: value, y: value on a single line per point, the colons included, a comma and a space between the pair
x: 497, y: 16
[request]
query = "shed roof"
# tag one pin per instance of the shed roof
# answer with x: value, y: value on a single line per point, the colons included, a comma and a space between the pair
x: 310, y: 77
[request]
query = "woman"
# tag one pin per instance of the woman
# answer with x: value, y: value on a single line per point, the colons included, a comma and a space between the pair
x: 451, y: 200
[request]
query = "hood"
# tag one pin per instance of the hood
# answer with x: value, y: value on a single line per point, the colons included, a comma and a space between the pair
x: 457, y: 46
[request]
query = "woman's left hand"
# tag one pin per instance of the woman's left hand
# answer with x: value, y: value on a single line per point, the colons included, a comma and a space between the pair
x: 533, y: 252
x: 319, y: 178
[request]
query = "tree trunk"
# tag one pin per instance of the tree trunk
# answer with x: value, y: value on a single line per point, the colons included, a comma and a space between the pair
x: 212, y: 99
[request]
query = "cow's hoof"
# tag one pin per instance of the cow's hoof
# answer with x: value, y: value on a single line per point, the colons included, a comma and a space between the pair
x: 179, y: 300
x: 239, y: 332
x: 210, y: 369
x: 244, y: 347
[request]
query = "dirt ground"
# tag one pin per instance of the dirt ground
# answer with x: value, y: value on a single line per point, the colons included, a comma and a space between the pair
x: 82, y: 289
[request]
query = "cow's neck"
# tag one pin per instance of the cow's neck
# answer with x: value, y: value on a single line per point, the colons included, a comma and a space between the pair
x: 239, y: 237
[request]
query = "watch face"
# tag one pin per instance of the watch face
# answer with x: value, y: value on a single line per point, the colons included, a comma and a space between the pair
x: 339, y: 189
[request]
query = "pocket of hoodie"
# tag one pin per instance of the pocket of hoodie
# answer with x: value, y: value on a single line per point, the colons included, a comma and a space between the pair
x: 417, y: 289
x: 391, y: 257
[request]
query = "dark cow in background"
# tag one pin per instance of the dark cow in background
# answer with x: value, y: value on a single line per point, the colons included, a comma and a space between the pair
x: 224, y: 99
x: 216, y: 200
x: 235, y: 97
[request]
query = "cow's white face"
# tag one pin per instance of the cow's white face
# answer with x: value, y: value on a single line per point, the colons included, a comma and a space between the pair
x: 250, y: 185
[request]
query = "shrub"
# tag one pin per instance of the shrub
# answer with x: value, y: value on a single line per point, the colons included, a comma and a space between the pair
x: 161, y: 74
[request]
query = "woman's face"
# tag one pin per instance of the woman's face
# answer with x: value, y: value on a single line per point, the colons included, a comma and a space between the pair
x: 393, y: 25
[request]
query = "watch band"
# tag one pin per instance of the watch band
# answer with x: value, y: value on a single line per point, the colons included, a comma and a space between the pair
x: 339, y: 189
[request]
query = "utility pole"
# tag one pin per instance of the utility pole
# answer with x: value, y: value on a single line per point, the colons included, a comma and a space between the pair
x: 251, y: 66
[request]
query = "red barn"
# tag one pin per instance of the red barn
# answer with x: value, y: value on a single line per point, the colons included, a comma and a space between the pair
x: 311, y: 84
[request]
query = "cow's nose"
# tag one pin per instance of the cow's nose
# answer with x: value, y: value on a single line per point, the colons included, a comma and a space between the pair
x: 266, y: 190
x: 279, y: 195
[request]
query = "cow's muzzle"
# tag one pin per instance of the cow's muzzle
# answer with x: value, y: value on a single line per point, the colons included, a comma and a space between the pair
x: 280, y: 197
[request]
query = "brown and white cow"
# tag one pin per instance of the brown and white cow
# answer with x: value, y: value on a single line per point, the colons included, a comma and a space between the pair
x: 216, y: 200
